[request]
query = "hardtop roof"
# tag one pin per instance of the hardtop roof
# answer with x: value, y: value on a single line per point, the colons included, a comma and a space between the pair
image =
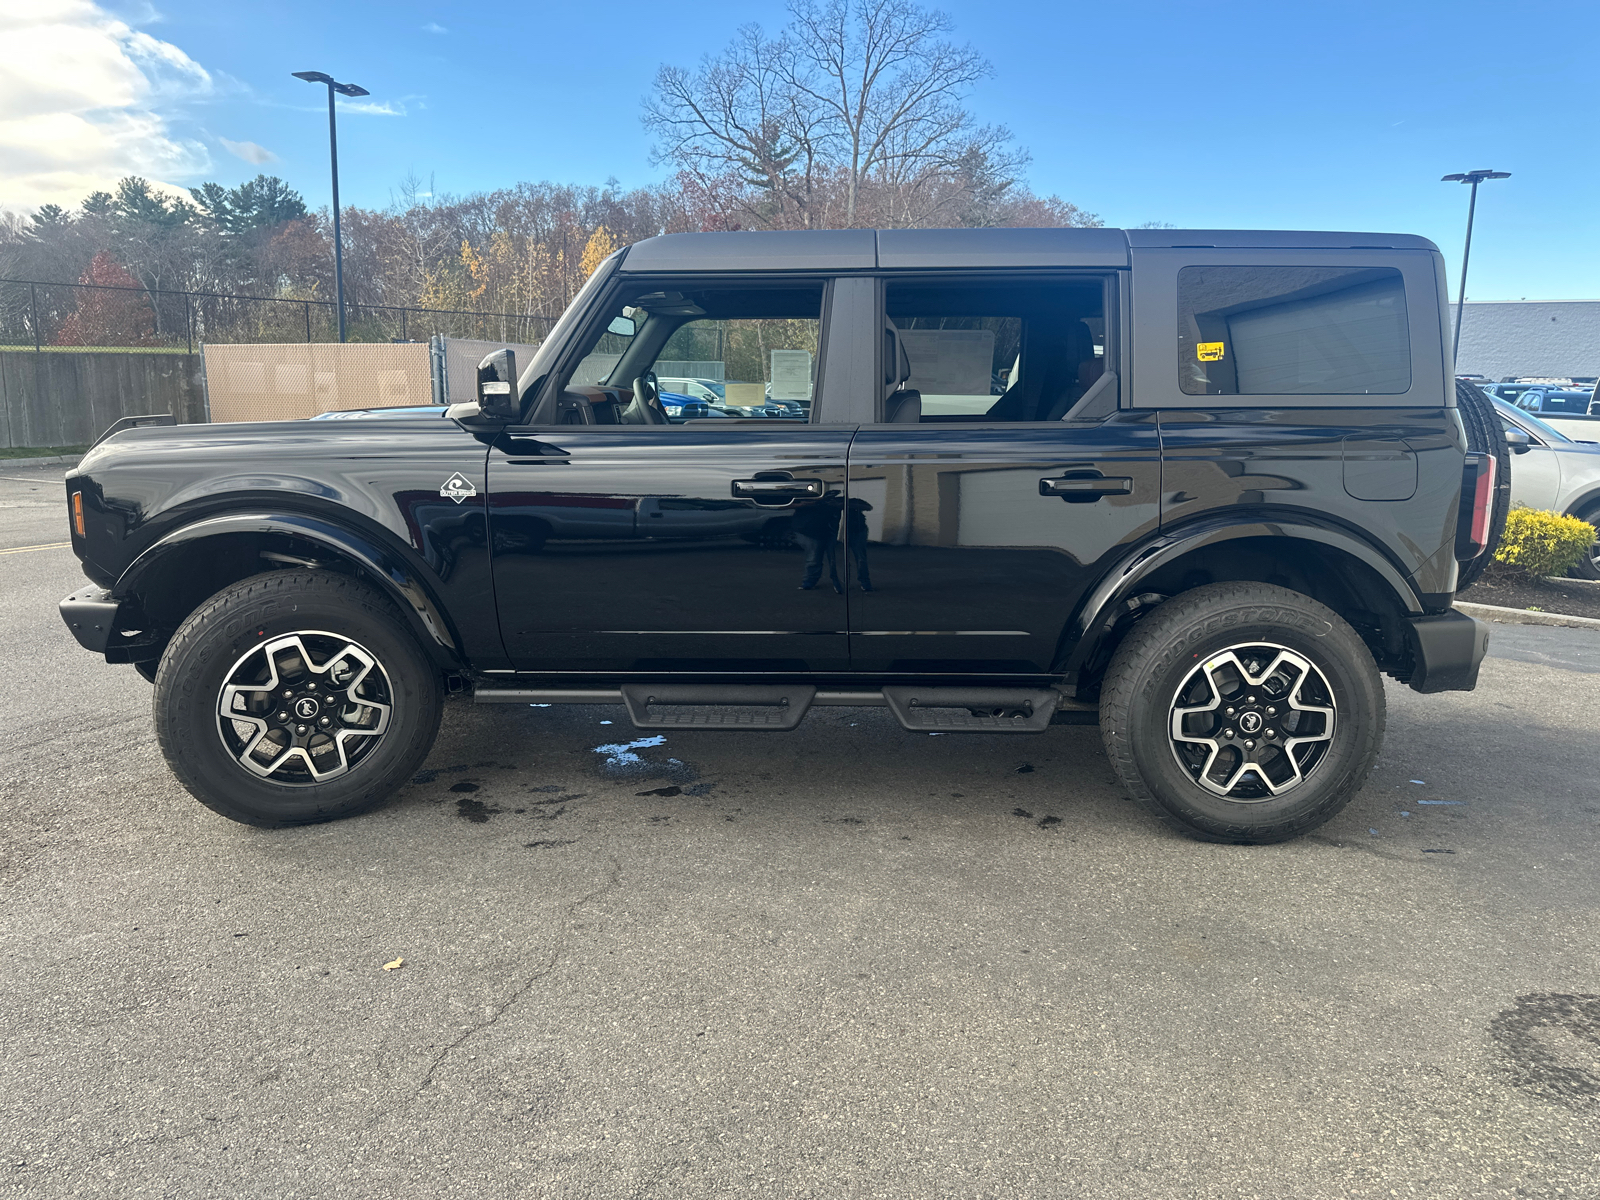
x: 870, y: 249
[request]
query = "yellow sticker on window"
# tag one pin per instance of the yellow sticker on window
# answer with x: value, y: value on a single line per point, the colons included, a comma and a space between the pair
x: 1209, y: 351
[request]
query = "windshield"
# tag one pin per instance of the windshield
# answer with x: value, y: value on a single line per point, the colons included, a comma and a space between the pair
x: 558, y: 335
x: 1549, y: 432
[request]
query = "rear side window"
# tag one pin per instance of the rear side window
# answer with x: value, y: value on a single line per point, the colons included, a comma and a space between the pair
x: 1288, y: 331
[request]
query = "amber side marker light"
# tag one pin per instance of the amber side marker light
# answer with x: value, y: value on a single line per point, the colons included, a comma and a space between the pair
x: 77, y: 513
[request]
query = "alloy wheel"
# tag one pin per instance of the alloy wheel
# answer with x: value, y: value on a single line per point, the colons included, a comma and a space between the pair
x: 303, y: 708
x: 1252, y: 722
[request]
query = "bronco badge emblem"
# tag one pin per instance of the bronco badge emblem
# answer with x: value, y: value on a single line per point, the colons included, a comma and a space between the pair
x: 458, y: 488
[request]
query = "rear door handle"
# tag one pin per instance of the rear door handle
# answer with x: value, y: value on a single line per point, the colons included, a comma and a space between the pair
x: 1086, y: 485
x: 778, y: 489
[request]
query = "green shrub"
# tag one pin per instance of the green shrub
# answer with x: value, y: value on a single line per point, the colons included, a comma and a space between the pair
x: 1543, y: 543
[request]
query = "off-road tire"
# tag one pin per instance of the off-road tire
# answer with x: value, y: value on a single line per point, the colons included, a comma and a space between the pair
x: 206, y: 647
x: 1162, y: 650
x: 1485, y: 435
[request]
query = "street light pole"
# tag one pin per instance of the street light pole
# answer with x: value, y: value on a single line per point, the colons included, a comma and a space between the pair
x: 344, y: 89
x: 1474, y: 178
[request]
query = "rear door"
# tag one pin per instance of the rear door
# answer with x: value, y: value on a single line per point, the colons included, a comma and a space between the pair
x: 624, y: 542
x: 1001, y: 480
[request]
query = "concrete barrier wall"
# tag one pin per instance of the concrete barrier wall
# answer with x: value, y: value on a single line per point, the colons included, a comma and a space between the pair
x: 69, y: 398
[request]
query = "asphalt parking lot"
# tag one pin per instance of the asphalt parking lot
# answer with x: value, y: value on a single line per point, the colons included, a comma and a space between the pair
x: 849, y: 961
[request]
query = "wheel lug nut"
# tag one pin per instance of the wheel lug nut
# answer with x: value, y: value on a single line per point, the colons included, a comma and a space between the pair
x: 1249, y: 745
x: 300, y: 729
x: 1230, y: 712
x: 324, y: 721
x: 1227, y: 733
x: 1249, y: 699
x: 283, y: 716
x: 311, y: 687
x: 1271, y: 733
x: 1271, y: 711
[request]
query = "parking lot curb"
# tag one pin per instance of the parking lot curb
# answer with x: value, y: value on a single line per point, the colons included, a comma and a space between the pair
x: 1521, y: 616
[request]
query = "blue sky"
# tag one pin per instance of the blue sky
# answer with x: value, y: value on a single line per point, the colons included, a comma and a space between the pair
x: 1311, y: 115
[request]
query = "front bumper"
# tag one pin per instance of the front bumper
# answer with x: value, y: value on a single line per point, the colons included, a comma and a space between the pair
x: 91, y: 614
x: 96, y: 620
x: 1446, y: 651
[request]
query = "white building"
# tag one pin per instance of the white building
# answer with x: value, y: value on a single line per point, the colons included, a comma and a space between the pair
x: 1530, y: 337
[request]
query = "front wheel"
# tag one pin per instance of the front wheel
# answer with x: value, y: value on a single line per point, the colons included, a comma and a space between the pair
x: 1242, y: 712
x: 291, y: 698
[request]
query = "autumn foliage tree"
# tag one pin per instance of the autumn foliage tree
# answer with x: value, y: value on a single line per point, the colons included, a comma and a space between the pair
x: 853, y: 115
x: 121, y: 317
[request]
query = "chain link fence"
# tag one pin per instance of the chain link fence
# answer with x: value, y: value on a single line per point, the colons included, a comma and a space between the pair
x: 41, y: 316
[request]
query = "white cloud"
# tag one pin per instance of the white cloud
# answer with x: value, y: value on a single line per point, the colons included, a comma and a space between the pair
x: 373, y: 108
x: 434, y: 27
x: 248, y: 151
x: 80, y: 92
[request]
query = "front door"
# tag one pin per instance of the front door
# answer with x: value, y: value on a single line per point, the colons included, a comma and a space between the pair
x: 627, y: 541
x: 977, y: 517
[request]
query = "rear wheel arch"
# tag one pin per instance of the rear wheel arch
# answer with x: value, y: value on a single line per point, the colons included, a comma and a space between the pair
x: 1325, y: 565
x: 179, y: 573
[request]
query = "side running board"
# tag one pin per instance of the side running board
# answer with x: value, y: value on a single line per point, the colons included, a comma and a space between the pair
x: 717, y: 706
x: 972, y: 710
x: 779, y: 707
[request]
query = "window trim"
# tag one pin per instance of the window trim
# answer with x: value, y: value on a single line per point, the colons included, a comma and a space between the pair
x: 1113, y: 293
x: 1154, y: 325
x: 547, y: 402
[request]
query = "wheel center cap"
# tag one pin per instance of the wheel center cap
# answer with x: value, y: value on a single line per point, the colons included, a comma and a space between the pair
x: 1249, y: 722
x: 307, y: 707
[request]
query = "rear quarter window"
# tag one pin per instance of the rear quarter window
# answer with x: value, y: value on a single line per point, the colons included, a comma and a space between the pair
x: 1292, y: 330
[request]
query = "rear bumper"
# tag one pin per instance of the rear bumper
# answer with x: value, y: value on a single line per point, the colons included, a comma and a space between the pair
x: 1447, y: 650
x: 91, y: 614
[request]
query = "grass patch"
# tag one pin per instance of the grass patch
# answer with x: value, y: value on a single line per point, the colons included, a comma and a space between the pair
x: 40, y: 451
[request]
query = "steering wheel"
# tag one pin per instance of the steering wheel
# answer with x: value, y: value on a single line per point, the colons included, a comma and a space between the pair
x: 647, y: 390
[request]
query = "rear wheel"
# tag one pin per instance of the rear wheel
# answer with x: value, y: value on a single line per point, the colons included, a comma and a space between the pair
x: 292, y: 698
x: 1242, y: 712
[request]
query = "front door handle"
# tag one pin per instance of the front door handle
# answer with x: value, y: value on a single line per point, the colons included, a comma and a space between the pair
x: 1086, y: 485
x: 778, y: 489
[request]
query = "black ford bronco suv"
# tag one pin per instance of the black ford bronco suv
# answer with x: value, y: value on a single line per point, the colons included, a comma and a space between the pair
x: 1199, y: 487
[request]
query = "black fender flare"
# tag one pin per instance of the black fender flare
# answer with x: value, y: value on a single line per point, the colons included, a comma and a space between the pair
x: 400, y: 579
x: 1099, y: 610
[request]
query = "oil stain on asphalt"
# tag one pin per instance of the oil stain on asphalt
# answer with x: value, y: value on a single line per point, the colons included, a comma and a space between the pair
x: 1549, y: 1043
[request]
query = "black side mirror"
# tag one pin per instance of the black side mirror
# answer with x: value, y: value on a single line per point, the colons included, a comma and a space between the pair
x: 497, y: 386
x: 1519, y: 441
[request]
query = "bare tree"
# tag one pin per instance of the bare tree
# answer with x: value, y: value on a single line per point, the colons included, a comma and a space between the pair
x: 739, y: 114
x: 853, y: 93
x: 891, y: 88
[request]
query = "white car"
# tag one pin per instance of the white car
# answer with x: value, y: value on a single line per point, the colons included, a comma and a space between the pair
x: 1551, y: 471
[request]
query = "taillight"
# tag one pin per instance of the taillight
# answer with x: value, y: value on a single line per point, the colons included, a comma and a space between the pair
x: 77, y: 513
x: 1479, y: 478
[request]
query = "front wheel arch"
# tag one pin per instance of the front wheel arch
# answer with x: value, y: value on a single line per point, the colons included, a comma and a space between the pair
x: 185, y: 568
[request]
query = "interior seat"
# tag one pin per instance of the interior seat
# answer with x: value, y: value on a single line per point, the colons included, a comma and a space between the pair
x: 901, y: 405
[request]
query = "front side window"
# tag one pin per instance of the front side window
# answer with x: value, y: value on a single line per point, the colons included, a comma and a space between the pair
x: 694, y: 351
x: 994, y: 353
x: 1292, y: 331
